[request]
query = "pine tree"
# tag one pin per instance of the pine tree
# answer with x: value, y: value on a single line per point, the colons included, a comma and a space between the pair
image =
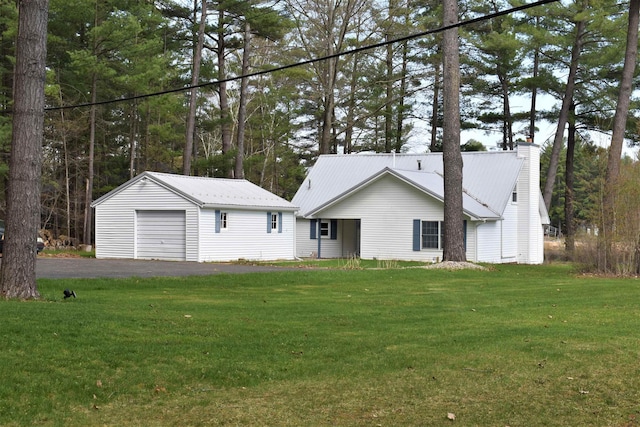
x: 18, y: 272
x: 453, y: 248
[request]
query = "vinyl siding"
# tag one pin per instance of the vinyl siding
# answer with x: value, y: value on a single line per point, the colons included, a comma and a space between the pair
x: 246, y: 236
x: 530, y: 232
x: 510, y: 235
x: 116, y: 219
x: 386, y: 208
x: 306, y: 247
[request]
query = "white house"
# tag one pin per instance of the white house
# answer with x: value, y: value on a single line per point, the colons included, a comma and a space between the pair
x: 390, y: 206
x: 177, y: 217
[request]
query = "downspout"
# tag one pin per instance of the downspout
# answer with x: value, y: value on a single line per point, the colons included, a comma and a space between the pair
x: 319, y: 236
x: 295, y: 236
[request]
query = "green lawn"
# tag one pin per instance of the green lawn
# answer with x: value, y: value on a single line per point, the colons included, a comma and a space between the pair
x: 514, y: 346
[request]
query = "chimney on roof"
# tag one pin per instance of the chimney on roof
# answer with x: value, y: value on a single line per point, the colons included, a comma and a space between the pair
x: 419, y: 164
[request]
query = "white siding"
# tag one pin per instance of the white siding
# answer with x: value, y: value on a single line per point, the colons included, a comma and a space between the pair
x: 472, y: 241
x: 510, y: 234
x: 245, y: 237
x: 305, y: 246
x: 116, y: 219
x: 329, y: 248
x: 488, y: 235
x: 530, y: 232
x: 387, y: 209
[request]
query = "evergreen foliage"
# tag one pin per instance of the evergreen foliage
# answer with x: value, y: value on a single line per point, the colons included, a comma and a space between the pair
x: 371, y: 100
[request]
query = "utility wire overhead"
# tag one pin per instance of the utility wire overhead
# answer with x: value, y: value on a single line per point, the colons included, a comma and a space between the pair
x: 313, y: 60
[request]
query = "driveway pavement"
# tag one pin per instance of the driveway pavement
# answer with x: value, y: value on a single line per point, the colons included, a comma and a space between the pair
x: 61, y: 268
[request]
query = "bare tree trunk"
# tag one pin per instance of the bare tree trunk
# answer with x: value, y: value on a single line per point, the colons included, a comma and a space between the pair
x: 351, y: 107
x: 451, y: 156
x: 225, y: 125
x: 636, y: 257
x: 144, y: 149
x: 569, y: 239
x: 88, y: 214
x: 133, y: 139
x: 87, y: 228
x: 329, y: 85
x: 328, y: 103
x: 564, y: 114
x: 193, y: 95
x: 617, y: 138
x: 67, y: 184
x: 402, y: 94
x: 534, y: 91
x: 507, y: 128
x: 434, y: 111
x: 67, y: 180
x: 388, y: 105
x: 18, y: 271
x: 242, y: 109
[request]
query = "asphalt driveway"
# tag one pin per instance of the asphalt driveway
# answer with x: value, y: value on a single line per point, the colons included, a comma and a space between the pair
x: 61, y: 268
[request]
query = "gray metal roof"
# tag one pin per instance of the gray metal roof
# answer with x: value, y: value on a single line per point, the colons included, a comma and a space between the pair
x: 489, y: 178
x: 212, y: 192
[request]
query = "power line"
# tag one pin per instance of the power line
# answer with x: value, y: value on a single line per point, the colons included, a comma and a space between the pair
x: 313, y: 60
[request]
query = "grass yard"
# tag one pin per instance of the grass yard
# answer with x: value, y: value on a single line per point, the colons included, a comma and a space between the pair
x: 515, y: 346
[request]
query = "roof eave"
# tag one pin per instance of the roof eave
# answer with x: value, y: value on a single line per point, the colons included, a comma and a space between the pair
x: 249, y: 208
x: 387, y: 170
x: 348, y: 192
x: 142, y: 177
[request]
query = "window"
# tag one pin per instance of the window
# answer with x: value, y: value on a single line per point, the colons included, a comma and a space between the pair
x: 274, y: 222
x: 324, y: 229
x: 327, y: 228
x: 223, y: 220
x: 432, y: 234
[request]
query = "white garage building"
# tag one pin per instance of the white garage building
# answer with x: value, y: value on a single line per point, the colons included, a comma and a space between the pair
x: 185, y: 218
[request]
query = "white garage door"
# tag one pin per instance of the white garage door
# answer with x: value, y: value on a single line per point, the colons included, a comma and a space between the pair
x: 161, y: 235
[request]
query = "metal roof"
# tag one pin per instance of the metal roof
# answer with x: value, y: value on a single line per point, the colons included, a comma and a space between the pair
x: 489, y: 178
x: 430, y: 183
x: 211, y: 192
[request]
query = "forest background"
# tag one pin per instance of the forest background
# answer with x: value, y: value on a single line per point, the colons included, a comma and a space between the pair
x: 155, y: 85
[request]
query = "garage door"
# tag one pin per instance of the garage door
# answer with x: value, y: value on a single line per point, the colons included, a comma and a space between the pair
x: 161, y: 235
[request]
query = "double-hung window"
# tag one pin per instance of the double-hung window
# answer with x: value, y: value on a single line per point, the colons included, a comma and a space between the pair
x: 326, y: 229
x: 221, y: 221
x: 432, y: 234
x: 274, y: 222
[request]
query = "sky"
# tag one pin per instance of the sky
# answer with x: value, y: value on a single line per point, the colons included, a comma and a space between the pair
x: 546, y: 131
